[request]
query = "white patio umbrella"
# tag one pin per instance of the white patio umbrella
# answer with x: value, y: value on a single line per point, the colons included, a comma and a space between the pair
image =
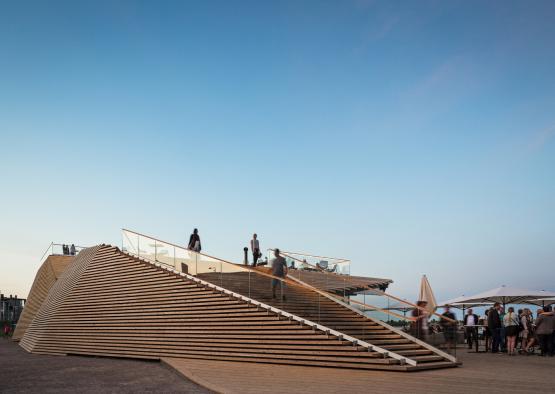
x: 460, y: 302
x: 506, y: 295
x: 542, y: 301
x: 400, y: 306
x: 426, y: 294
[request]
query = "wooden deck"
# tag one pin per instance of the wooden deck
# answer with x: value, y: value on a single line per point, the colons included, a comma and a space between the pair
x: 492, y: 373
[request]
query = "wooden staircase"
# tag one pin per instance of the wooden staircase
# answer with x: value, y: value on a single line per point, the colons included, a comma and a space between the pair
x: 312, y: 305
x: 108, y: 303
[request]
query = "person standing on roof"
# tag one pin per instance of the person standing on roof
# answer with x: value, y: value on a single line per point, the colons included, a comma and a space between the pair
x: 279, y: 270
x: 194, y: 241
x: 255, y: 248
x: 72, y: 250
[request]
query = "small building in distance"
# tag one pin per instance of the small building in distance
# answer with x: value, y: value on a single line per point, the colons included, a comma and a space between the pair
x: 10, y: 309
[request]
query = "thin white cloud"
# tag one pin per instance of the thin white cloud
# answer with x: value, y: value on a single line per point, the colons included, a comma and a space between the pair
x: 541, y: 138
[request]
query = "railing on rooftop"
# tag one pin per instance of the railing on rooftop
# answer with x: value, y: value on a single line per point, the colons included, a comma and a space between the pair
x: 309, y: 262
x: 58, y: 250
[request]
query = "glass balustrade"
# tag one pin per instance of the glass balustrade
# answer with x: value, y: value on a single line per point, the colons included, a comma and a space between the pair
x: 308, y: 293
x: 309, y: 262
x: 256, y: 283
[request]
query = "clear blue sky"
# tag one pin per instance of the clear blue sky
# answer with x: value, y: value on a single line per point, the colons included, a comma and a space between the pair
x: 411, y: 137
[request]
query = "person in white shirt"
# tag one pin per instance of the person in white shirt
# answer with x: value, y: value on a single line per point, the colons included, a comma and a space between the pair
x: 255, y: 248
x: 470, y: 323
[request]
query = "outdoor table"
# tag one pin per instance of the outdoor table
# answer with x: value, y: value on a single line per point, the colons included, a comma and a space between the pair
x: 476, y: 328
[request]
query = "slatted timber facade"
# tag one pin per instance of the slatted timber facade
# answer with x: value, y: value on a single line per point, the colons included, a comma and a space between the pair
x: 313, y: 306
x: 107, y: 303
x: 48, y: 273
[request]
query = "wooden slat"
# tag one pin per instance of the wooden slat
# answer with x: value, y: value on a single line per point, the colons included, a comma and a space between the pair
x: 47, y: 275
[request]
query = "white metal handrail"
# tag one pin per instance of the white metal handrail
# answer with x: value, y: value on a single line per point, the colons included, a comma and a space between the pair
x: 51, y: 247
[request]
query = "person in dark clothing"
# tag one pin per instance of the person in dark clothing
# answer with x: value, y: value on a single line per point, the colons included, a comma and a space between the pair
x: 72, y: 250
x: 545, y: 326
x: 494, y: 325
x: 194, y: 241
x: 449, y: 327
x: 65, y: 249
x: 279, y: 270
x: 255, y: 248
x: 470, y: 323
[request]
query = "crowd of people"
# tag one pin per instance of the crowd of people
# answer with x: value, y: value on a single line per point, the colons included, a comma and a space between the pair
x: 519, y: 332
x: 68, y: 250
x: 503, y: 331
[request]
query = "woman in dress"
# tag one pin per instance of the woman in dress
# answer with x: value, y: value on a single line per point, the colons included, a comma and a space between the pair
x: 510, y: 321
